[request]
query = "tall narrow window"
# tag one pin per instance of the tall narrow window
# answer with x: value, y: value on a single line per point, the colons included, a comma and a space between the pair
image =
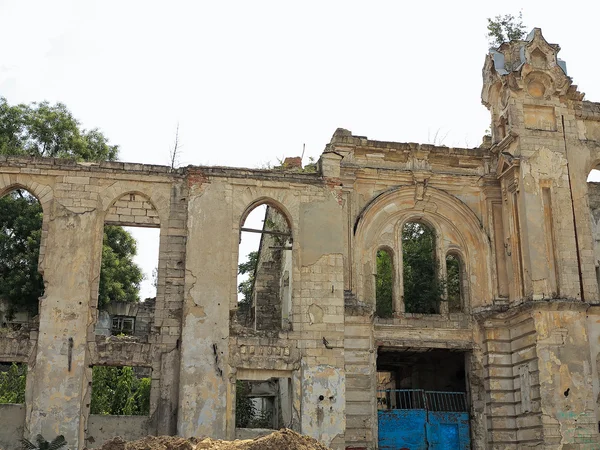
x: 21, y: 284
x: 422, y: 287
x: 454, y: 279
x: 384, y: 281
x: 265, y: 270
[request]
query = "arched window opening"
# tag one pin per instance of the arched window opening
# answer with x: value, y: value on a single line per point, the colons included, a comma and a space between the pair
x: 454, y: 282
x: 265, y: 271
x: 384, y: 282
x: 423, y: 288
x: 21, y: 284
x: 129, y: 268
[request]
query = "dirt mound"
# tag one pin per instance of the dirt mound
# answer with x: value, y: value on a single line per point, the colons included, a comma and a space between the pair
x: 278, y: 440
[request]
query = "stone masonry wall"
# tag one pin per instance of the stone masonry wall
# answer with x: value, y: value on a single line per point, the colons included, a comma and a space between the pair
x: 76, y: 200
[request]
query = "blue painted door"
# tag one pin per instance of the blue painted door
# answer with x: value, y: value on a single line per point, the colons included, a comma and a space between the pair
x: 402, y: 429
x: 448, y: 430
x: 420, y: 420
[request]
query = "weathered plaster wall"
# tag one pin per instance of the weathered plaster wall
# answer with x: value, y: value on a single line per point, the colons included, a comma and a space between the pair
x: 102, y: 428
x: 204, y: 335
x: 61, y: 361
x: 593, y: 332
x: 565, y: 376
x: 12, y: 418
x: 323, y: 402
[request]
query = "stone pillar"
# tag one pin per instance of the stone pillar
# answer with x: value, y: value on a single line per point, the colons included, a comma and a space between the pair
x: 321, y: 306
x: 59, y: 374
x: 205, y: 327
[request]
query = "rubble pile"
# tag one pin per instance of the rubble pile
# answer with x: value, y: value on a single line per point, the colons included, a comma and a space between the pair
x: 283, y: 439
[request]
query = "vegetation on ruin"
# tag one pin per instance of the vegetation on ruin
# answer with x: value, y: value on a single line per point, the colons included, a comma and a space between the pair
x: 505, y: 28
x: 45, y: 130
x: 12, y: 383
x: 118, y: 391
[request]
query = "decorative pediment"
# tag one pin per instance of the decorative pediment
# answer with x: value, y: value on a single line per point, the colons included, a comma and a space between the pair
x: 538, y: 53
x: 506, y: 162
x: 531, y: 65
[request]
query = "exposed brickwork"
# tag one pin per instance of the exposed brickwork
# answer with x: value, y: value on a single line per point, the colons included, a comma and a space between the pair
x: 133, y: 209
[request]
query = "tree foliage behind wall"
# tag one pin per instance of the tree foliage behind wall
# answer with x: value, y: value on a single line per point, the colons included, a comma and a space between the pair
x: 118, y: 391
x: 453, y: 286
x: 384, y: 285
x: 42, y: 129
x: 246, y: 287
x: 120, y: 277
x: 12, y: 383
x: 45, y: 130
x: 20, y: 235
x: 423, y: 288
x: 244, y: 406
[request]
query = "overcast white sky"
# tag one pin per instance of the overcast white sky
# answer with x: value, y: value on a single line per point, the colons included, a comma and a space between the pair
x: 252, y: 81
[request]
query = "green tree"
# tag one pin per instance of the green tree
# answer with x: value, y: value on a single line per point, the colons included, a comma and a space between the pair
x: 453, y: 283
x: 120, y: 277
x: 246, y: 287
x: 42, y: 129
x: 12, y: 383
x: 384, y: 285
x: 20, y: 233
x: 505, y: 28
x: 423, y: 288
x: 45, y: 130
x: 118, y: 391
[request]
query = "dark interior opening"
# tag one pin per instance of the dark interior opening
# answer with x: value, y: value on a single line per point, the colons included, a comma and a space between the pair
x: 431, y: 370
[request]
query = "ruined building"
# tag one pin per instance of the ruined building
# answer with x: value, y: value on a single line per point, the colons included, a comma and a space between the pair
x: 509, y: 360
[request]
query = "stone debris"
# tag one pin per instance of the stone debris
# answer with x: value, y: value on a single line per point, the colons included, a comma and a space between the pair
x: 283, y: 439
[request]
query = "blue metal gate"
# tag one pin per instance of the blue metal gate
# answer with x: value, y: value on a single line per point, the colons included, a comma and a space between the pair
x: 414, y: 419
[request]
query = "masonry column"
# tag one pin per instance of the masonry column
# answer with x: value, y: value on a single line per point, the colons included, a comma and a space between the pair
x: 321, y: 305
x: 58, y: 376
x: 204, y: 374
